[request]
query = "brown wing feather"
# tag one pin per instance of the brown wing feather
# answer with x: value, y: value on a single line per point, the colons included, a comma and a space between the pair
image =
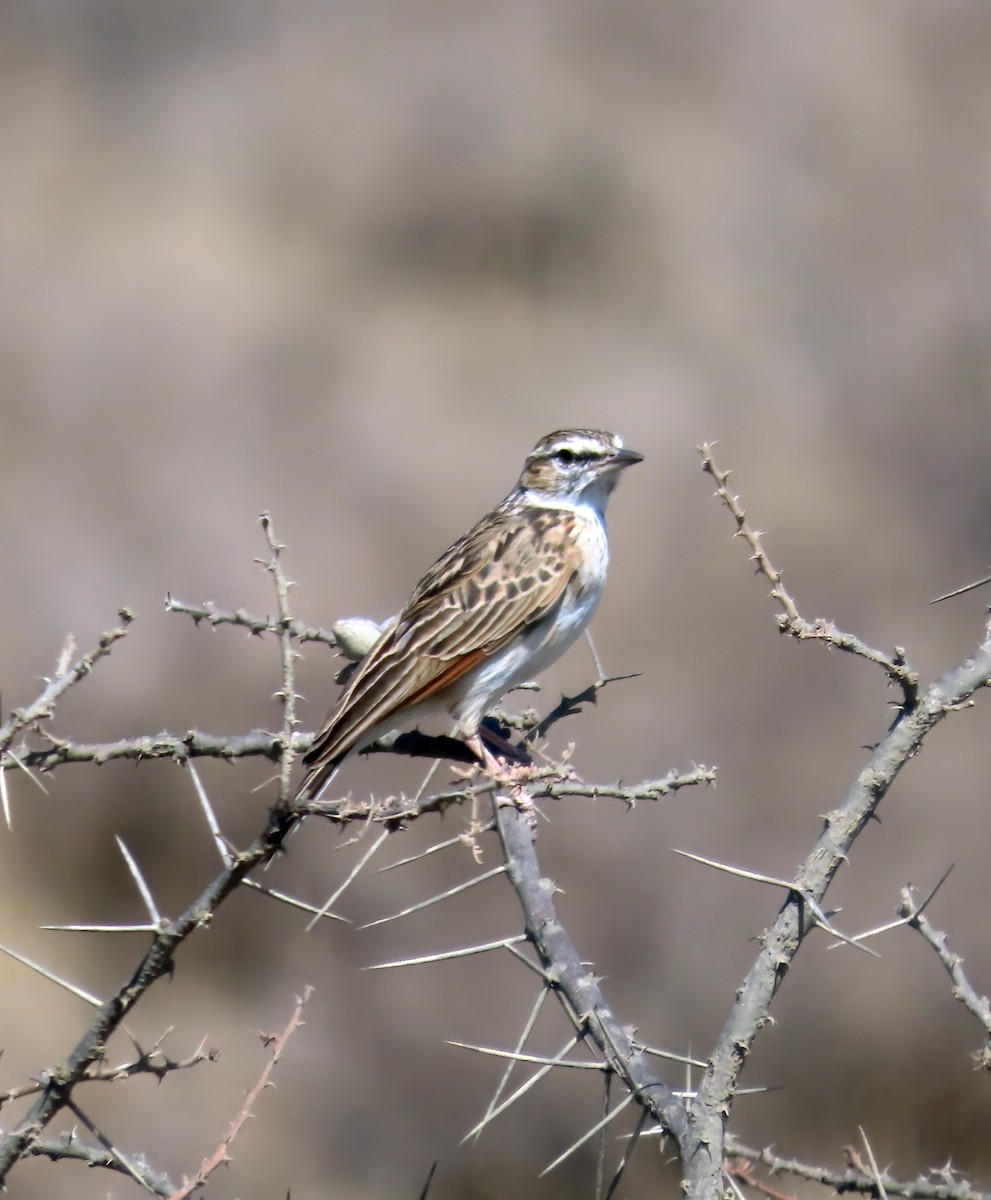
x: 503, y: 576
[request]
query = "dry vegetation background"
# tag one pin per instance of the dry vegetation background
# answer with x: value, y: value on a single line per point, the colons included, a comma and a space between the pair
x: 346, y: 262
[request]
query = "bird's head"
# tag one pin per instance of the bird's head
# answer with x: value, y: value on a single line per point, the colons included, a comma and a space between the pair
x: 575, y: 466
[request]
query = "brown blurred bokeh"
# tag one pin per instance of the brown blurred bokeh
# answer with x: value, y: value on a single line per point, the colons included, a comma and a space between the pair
x: 346, y: 263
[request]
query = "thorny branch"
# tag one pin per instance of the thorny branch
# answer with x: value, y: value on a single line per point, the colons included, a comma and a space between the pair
x: 55, y: 1087
x: 157, y: 961
x: 549, y: 783
x: 286, y: 695
x: 42, y: 707
x: 698, y: 1125
x: 963, y: 990
x: 178, y: 747
x: 571, y: 979
x: 148, y: 1062
x: 703, y: 1150
x: 939, y: 1184
x: 68, y: 1146
x: 276, y: 1045
x: 59, y: 1083
x: 791, y: 621
x: 213, y: 616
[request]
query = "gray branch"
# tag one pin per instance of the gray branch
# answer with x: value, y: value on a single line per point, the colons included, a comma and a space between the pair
x: 209, y: 613
x: 703, y: 1149
x: 570, y: 978
x: 68, y: 1146
x: 937, y: 1185
x: 156, y: 962
x: 963, y: 989
x: 42, y: 707
x: 698, y: 1124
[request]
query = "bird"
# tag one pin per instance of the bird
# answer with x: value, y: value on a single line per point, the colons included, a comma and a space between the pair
x: 497, y: 607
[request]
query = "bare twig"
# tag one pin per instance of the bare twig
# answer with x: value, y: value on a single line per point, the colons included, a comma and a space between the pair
x: 276, y: 1045
x: 963, y: 990
x: 148, y: 1062
x: 819, y: 917
x: 128, y: 1165
x: 156, y: 962
x: 654, y: 789
x: 920, y: 713
x: 627, y: 1154
x: 257, y: 626
x: 178, y: 747
x: 570, y: 706
x: 791, y: 621
x: 545, y: 783
x: 286, y: 696
x: 42, y: 707
x: 902, y: 920
x: 70, y: 1147
x: 938, y: 1185
x: 196, y: 744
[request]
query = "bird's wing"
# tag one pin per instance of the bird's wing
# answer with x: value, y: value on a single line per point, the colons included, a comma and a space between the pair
x: 506, y: 574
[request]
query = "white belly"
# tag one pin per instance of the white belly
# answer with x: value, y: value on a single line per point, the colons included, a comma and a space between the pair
x: 526, y: 657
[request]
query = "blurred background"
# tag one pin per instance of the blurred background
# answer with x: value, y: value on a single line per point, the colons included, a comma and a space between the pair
x: 346, y: 263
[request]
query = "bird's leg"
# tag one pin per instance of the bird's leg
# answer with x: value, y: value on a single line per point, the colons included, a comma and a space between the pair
x: 488, y: 761
x: 497, y: 769
x: 502, y: 745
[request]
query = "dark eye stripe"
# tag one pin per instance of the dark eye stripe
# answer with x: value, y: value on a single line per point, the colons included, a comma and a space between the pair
x: 571, y: 454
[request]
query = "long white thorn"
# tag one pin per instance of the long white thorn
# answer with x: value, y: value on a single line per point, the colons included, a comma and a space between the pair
x: 431, y: 772
x: 464, y: 952
x: 522, y: 1089
x: 531, y: 1021
x: 672, y: 1057
x: 756, y: 876
x: 154, y: 916
x: 4, y: 798
x: 285, y: 898
x: 101, y: 928
x: 536, y: 968
x: 129, y: 1167
x: 627, y: 1154
x: 347, y: 882
x: 455, y: 891
x: 589, y: 1134
x: 218, y: 838
x: 889, y: 925
x: 63, y: 983
x: 734, y: 1186
x: 458, y: 840
x: 537, y: 1059
x: 595, y: 656
x: 789, y: 886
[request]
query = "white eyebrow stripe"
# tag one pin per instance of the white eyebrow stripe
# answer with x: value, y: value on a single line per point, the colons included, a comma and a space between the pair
x: 584, y: 447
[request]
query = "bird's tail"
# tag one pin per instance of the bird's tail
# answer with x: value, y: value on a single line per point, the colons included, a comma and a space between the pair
x: 316, y: 780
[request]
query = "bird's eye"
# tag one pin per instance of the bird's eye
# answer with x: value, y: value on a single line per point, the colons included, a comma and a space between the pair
x: 565, y: 457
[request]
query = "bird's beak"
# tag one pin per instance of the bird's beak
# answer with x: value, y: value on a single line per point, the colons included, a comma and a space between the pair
x: 625, y: 458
